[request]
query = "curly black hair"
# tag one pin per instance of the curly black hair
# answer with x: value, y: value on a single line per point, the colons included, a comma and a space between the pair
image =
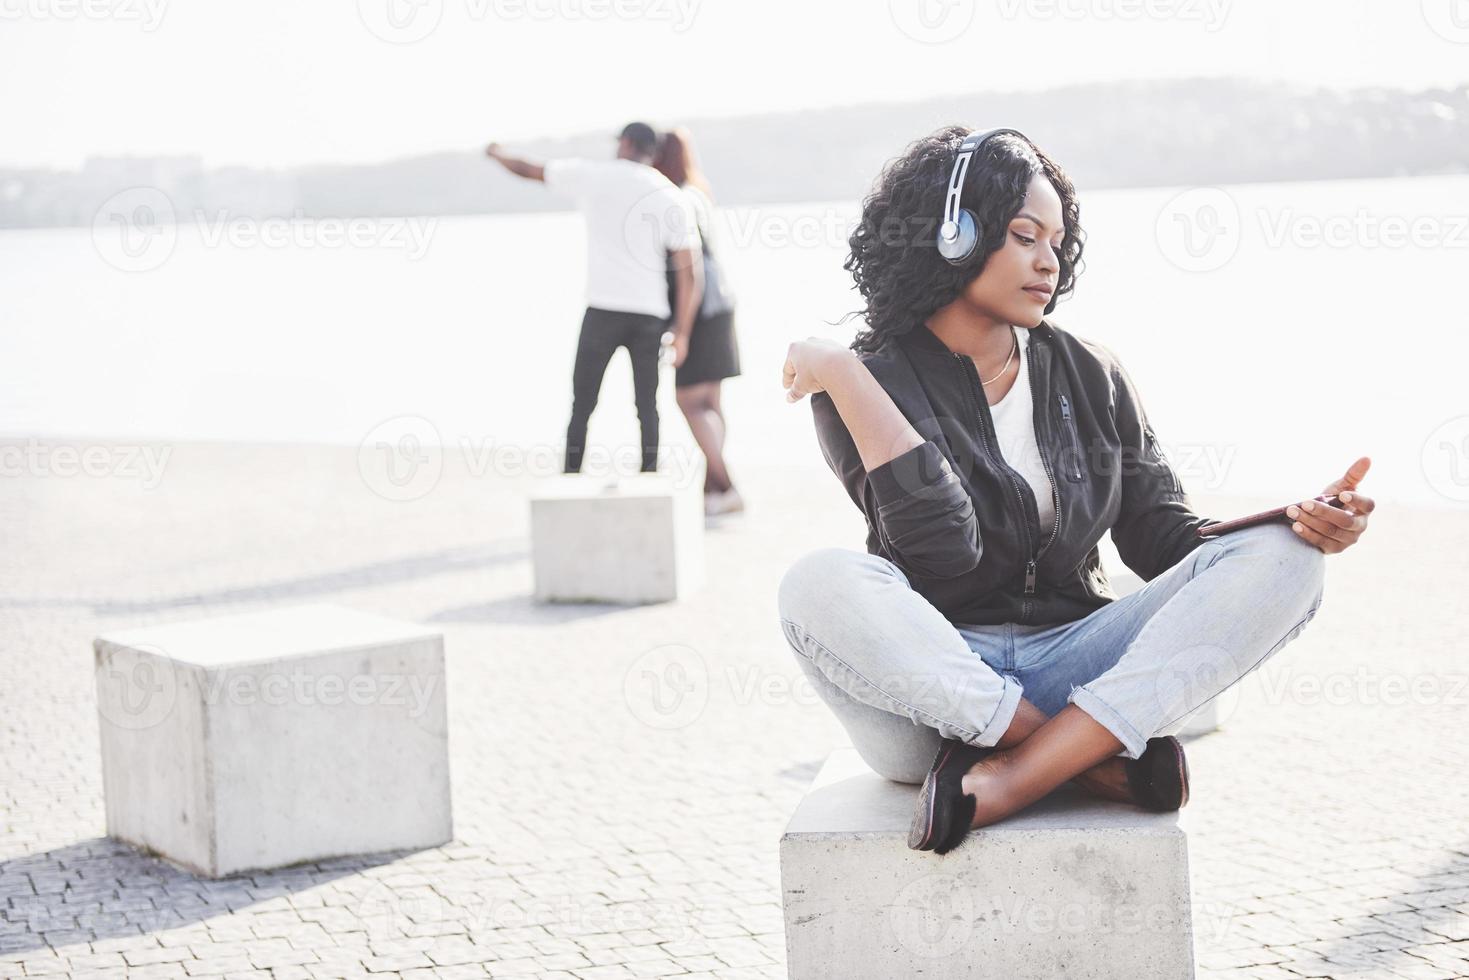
x: 894, y: 256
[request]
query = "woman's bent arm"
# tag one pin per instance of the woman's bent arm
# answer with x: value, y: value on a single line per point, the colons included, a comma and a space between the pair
x: 913, y: 501
x: 878, y: 429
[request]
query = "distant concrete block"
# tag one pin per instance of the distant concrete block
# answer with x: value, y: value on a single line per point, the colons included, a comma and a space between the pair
x: 1072, y: 887
x: 635, y: 539
x: 266, y: 739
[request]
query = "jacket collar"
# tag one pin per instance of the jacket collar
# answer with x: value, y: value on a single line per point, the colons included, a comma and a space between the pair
x: 923, y: 339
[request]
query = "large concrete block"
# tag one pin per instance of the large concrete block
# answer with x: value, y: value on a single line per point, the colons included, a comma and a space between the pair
x: 635, y: 539
x: 1071, y: 887
x: 266, y: 739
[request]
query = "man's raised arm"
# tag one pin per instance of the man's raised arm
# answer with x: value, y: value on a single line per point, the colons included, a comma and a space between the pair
x: 517, y: 166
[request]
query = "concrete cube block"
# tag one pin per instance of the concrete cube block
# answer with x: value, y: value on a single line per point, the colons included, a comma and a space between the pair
x: 1072, y: 887
x: 632, y: 539
x: 266, y: 739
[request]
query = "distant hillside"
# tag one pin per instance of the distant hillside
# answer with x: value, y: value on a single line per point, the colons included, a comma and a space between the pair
x: 1123, y: 134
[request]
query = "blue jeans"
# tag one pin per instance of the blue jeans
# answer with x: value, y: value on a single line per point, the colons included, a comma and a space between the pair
x: 899, y: 675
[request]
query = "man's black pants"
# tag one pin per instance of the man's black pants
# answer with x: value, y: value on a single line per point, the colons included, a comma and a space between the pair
x: 602, y: 332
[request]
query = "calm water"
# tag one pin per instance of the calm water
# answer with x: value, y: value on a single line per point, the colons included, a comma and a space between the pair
x: 1275, y: 331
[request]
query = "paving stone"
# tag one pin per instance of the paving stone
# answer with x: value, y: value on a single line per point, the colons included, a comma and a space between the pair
x: 590, y: 823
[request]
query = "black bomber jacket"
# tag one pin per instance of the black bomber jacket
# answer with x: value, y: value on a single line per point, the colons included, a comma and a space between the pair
x: 963, y: 525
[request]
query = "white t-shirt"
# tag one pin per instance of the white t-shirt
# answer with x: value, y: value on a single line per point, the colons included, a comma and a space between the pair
x: 634, y: 217
x: 1014, y: 417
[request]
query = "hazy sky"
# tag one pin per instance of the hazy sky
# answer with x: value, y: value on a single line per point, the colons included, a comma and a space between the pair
x: 281, y: 82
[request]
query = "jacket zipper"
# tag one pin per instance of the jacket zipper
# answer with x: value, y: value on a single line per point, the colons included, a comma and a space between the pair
x: 1030, y: 570
x: 1152, y: 440
x: 1066, y: 417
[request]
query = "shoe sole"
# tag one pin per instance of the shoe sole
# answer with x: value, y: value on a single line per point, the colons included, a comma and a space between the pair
x: 1182, y: 770
x: 920, y: 831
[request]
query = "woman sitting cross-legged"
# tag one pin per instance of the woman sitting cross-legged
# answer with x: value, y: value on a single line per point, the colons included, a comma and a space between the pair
x: 976, y: 647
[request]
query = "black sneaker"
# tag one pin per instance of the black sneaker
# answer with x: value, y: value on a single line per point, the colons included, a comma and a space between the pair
x: 944, y: 812
x: 1158, y: 779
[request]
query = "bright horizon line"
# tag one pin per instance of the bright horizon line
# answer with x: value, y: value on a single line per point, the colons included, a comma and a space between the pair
x: 1295, y: 84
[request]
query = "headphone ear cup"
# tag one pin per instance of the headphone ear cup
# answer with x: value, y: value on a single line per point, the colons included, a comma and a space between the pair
x: 963, y: 244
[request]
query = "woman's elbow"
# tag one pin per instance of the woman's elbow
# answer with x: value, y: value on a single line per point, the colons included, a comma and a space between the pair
x: 949, y: 555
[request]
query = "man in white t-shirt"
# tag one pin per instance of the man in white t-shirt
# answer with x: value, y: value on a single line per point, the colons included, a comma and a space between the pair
x: 637, y: 222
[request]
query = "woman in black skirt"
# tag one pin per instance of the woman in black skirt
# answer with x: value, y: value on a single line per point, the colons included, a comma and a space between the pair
x: 713, y: 351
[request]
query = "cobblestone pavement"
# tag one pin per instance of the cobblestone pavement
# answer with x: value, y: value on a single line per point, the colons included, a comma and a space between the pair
x: 600, y: 833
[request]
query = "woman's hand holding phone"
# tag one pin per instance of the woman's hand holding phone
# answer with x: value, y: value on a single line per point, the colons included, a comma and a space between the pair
x: 1332, y: 522
x: 1328, y: 528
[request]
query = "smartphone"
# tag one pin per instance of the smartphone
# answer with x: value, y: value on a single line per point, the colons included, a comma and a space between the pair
x: 1264, y: 517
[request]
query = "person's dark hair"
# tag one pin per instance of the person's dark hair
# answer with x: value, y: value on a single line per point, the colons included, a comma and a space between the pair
x: 894, y: 256
x: 642, y: 137
x: 676, y: 160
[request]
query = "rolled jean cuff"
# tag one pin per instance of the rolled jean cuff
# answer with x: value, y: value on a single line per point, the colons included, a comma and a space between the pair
x: 1004, y: 713
x: 1133, y: 742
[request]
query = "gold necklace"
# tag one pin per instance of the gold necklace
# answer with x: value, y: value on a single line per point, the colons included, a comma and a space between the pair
x: 1013, y: 349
